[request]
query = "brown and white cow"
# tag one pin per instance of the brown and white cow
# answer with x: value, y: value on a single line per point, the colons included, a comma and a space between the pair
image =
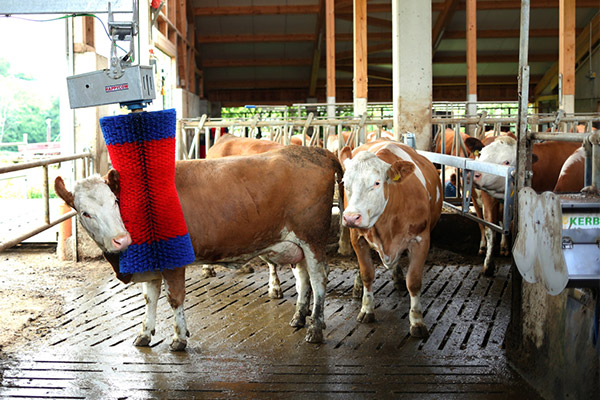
x: 572, y: 174
x: 230, y: 145
x: 393, y: 200
x: 276, y: 204
x: 548, y: 158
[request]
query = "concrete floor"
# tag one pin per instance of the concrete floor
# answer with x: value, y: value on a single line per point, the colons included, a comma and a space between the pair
x: 242, y: 346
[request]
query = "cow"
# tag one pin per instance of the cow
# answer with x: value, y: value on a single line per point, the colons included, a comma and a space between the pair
x: 230, y: 145
x: 572, y: 174
x: 548, y: 158
x: 276, y: 204
x: 393, y: 199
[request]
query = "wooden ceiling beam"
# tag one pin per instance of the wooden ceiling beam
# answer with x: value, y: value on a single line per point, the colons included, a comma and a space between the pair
x: 515, y: 4
x: 502, y: 33
x: 254, y: 10
x: 297, y: 37
x: 441, y: 23
x: 256, y: 62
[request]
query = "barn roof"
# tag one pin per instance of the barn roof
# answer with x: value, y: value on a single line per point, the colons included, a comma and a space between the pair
x: 262, y: 51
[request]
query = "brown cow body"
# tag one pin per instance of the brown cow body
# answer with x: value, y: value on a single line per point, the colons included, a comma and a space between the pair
x: 572, y: 173
x: 276, y: 204
x: 393, y: 201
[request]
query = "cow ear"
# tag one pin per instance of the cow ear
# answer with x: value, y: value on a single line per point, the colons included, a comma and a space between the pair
x: 63, y: 193
x: 345, y: 154
x: 473, y: 144
x: 113, y: 180
x: 400, y: 170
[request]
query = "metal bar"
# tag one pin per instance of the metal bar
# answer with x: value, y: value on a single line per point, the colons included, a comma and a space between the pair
x: 39, y: 163
x: 46, y: 194
x: 11, y: 243
x: 558, y: 137
x: 64, y: 7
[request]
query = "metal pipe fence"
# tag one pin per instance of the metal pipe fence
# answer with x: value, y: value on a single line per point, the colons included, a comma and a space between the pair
x: 44, y: 164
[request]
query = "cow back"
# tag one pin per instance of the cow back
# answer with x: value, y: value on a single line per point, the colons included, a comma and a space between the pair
x: 551, y: 156
x: 230, y: 145
x: 239, y: 205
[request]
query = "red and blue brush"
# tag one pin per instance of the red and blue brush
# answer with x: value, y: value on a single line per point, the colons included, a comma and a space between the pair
x: 141, y: 146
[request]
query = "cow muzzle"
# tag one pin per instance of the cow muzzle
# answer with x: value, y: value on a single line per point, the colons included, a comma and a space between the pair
x: 121, y: 242
x: 352, y: 220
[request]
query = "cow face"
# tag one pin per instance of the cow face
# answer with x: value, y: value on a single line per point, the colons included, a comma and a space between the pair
x: 501, y: 151
x: 98, y: 211
x: 366, y: 185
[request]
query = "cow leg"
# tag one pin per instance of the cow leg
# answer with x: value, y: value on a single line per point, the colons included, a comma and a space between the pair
x: 490, y: 213
x: 275, y: 291
x: 151, y: 291
x: 174, y: 281
x: 344, y: 246
x: 357, y: 289
x: 417, y: 253
x: 303, y: 290
x: 367, y: 275
x: 317, y: 271
x: 477, y: 206
x: 398, y: 277
x: 504, y: 249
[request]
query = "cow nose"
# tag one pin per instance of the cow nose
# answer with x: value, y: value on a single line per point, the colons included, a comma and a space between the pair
x: 122, y: 242
x: 476, y: 176
x: 353, y: 219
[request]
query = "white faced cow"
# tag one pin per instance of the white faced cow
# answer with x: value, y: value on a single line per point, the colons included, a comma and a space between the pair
x: 393, y: 199
x: 276, y: 204
x: 548, y: 158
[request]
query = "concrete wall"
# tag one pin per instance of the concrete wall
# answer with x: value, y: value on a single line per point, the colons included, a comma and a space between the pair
x: 552, y: 340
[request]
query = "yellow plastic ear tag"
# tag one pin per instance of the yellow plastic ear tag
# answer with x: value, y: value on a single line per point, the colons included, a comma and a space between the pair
x: 397, y: 177
x: 476, y: 153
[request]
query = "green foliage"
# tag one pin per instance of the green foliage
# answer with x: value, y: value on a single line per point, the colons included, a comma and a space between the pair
x: 23, y: 110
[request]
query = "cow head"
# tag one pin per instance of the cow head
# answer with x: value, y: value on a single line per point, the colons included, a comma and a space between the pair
x: 367, y: 177
x: 503, y: 151
x: 97, y: 205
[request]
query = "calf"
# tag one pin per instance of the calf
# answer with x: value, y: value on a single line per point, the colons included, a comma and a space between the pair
x: 276, y: 204
x: 393, y: 200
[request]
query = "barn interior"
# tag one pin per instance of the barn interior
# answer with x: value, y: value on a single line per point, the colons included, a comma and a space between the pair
x: 277, y: 68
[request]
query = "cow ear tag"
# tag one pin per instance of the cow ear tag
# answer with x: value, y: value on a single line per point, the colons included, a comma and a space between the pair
x: 397, y: 177
x: 476, y: 153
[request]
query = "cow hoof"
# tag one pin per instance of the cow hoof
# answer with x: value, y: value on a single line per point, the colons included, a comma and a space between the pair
x: 489, y: 270
x: 276, y: 293
x: 419, y: 331
x: 504, y: 252
x: 208, y: 272
x: 298, y: 321
x: 365, y: 317
x: 178, y: 345
x: 482, y: 251
x: 314, y: 335
x: 142, y: 341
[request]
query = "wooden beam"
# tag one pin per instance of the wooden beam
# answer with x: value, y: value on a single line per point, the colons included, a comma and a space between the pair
x: 566, y: 46
x: 515, y: 4
x: 249, y: 38
x: 371, y: 21
x: 471, y: 31
x: 550, y: 78
x: 491, y: 58
x: 255, y: 62
x: 502, y: 33
x: 330, y: 47
x: 442, y: 22
x: 360, y: 49
x: 254, y: 10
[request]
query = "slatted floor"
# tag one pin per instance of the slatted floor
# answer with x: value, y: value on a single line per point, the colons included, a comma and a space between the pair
x: 242, y: 346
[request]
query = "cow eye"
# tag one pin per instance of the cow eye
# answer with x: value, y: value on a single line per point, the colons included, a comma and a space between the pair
x: 86, y: 215
x: 376, y: 184
x: 506, y: 162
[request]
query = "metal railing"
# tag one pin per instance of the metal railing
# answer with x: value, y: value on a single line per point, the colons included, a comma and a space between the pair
x: 87, y: 167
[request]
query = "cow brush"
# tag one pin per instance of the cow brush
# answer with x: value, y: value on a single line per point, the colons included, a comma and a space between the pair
x: 141, y: 146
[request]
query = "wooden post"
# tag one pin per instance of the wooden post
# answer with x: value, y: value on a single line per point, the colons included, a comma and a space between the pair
x: 360, y: 60
x: 471, y: 11
x: 330, y: 40
x: 566, y: 55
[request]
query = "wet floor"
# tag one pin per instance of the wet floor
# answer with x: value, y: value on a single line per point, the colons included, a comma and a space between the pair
x: 242, y: 346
